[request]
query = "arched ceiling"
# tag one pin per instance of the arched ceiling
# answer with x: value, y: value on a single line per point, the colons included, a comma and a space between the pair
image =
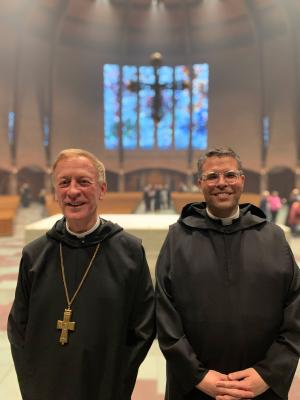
x: 144, y: 26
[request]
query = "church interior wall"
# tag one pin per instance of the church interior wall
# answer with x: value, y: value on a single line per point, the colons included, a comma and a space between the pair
x: 281, y: 97
x: 252, y: 181
x: 137, y: 180
x: 29, y: 141
x: 76, y: 105
x: 282, y: 180
x: 234, y: 103
x: 112, y: 179
x: 5, y: 161
x: 34, y: 177
x: 156, y: 159
x: 4, y: 181
x: 7, y: 51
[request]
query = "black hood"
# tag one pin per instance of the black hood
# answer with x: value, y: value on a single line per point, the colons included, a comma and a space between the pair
x: 106, y: 230
x: 194, y: 216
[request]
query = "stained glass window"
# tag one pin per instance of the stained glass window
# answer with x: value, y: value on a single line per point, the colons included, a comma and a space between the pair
x: 46, y: 130
x: 11, y: 127
x: 111, y: 105
x: 266, y: 131
x: 164, y: 127
x: 146, y: 93
x: 129, y: 107
x: 182, y: 108
x: 163, y: 108
x: 200, y: 106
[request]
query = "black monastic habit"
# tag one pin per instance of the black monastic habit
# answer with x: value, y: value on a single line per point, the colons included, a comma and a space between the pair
x: 113, y: 313
x: 228, y: 298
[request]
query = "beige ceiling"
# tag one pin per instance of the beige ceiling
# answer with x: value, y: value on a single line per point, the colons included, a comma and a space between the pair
x: 137, y: 26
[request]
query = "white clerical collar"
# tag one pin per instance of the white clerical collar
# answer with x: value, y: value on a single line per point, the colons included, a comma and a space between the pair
x: 83, y: 234
x: 227, y: 220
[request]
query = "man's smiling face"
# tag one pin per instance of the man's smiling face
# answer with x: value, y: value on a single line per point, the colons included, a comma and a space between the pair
x: 222, y: 199
x: 78, y: 191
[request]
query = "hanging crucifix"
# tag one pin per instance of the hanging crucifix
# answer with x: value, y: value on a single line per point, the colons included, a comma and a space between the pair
x: 157, y: 87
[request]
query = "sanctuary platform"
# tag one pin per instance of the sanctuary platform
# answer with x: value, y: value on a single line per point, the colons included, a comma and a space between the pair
x: 151, y: 228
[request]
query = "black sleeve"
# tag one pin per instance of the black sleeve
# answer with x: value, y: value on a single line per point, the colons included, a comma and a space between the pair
x: 141, y: 327
x: 17, y: 321
x: 280, y: 363
x: 181, y: 358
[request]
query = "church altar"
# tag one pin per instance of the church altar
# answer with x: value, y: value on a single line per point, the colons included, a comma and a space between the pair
x: 151, y: 228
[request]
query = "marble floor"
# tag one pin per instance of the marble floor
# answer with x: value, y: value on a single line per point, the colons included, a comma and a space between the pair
x: 151, y: 379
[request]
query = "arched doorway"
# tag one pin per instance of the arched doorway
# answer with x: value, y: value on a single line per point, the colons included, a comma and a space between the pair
x: 4, y: 181
x: 112, y: 179
x: 252, y: 181
x: 34, y: 176
x: 281, y: 179
x: 137, y: 180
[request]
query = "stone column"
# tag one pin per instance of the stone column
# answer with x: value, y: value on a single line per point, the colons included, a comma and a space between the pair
x: 297, y: 177
x: 121, y: 183
x: 48, y: 181
x: 13, y: 181
x: 263, y: 180
x: 189, y: 179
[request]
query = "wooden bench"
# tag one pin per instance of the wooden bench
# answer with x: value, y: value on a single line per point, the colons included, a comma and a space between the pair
x: 51, y: 205
x: 9, y: 202
x: 7, y: 218
x: 120, y: 202
x: 113, y: 203
x: 180, y: 199
x: 253, y: 198
x: 8, y: 209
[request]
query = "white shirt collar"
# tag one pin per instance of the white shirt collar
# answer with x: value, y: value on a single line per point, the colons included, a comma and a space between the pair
x: 83, y: 234
x: 227, y: 220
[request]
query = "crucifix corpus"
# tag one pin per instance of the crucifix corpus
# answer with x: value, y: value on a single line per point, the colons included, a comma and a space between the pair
x: 157, y: 87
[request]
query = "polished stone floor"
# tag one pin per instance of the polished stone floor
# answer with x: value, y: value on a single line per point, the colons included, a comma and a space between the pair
x: 150, y: 384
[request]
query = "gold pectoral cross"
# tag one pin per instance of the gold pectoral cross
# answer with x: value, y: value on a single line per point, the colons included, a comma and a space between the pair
x: 66, y: 325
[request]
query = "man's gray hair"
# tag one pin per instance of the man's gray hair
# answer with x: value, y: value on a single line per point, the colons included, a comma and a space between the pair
x: 218, y: 152
x: 70, y: 153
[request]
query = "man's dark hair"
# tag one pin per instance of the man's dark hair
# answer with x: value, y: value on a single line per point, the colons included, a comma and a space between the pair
x: 218, y: 152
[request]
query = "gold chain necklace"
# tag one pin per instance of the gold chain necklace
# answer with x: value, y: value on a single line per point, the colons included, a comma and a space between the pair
x: 66, y: 324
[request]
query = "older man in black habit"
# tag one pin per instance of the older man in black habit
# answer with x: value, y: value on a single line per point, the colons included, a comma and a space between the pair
x: 82, y: 319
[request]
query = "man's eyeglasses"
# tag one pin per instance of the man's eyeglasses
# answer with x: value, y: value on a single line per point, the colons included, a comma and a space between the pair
x: 230, y: 177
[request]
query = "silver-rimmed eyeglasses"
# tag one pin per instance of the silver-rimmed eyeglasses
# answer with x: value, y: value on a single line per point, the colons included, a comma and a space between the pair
x: 230, y: 177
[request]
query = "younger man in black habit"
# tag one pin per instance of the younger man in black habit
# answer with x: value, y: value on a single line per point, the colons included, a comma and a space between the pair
x: 228, y: 295
x: 82, y: 319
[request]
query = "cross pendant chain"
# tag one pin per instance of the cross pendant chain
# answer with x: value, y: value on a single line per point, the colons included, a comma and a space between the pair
x: 66, y: 325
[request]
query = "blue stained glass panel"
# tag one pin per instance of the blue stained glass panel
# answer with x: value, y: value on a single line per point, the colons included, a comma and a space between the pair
x: 147, y: 78
x: 266, y: 131
x: 182, y: 108
x: 11, y: 127
x: 138, y: 128
x: 164, y: 127
x: 129, y: 107
x: 111, y: 83
x: 200, y: 106
x: 46, y: 130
